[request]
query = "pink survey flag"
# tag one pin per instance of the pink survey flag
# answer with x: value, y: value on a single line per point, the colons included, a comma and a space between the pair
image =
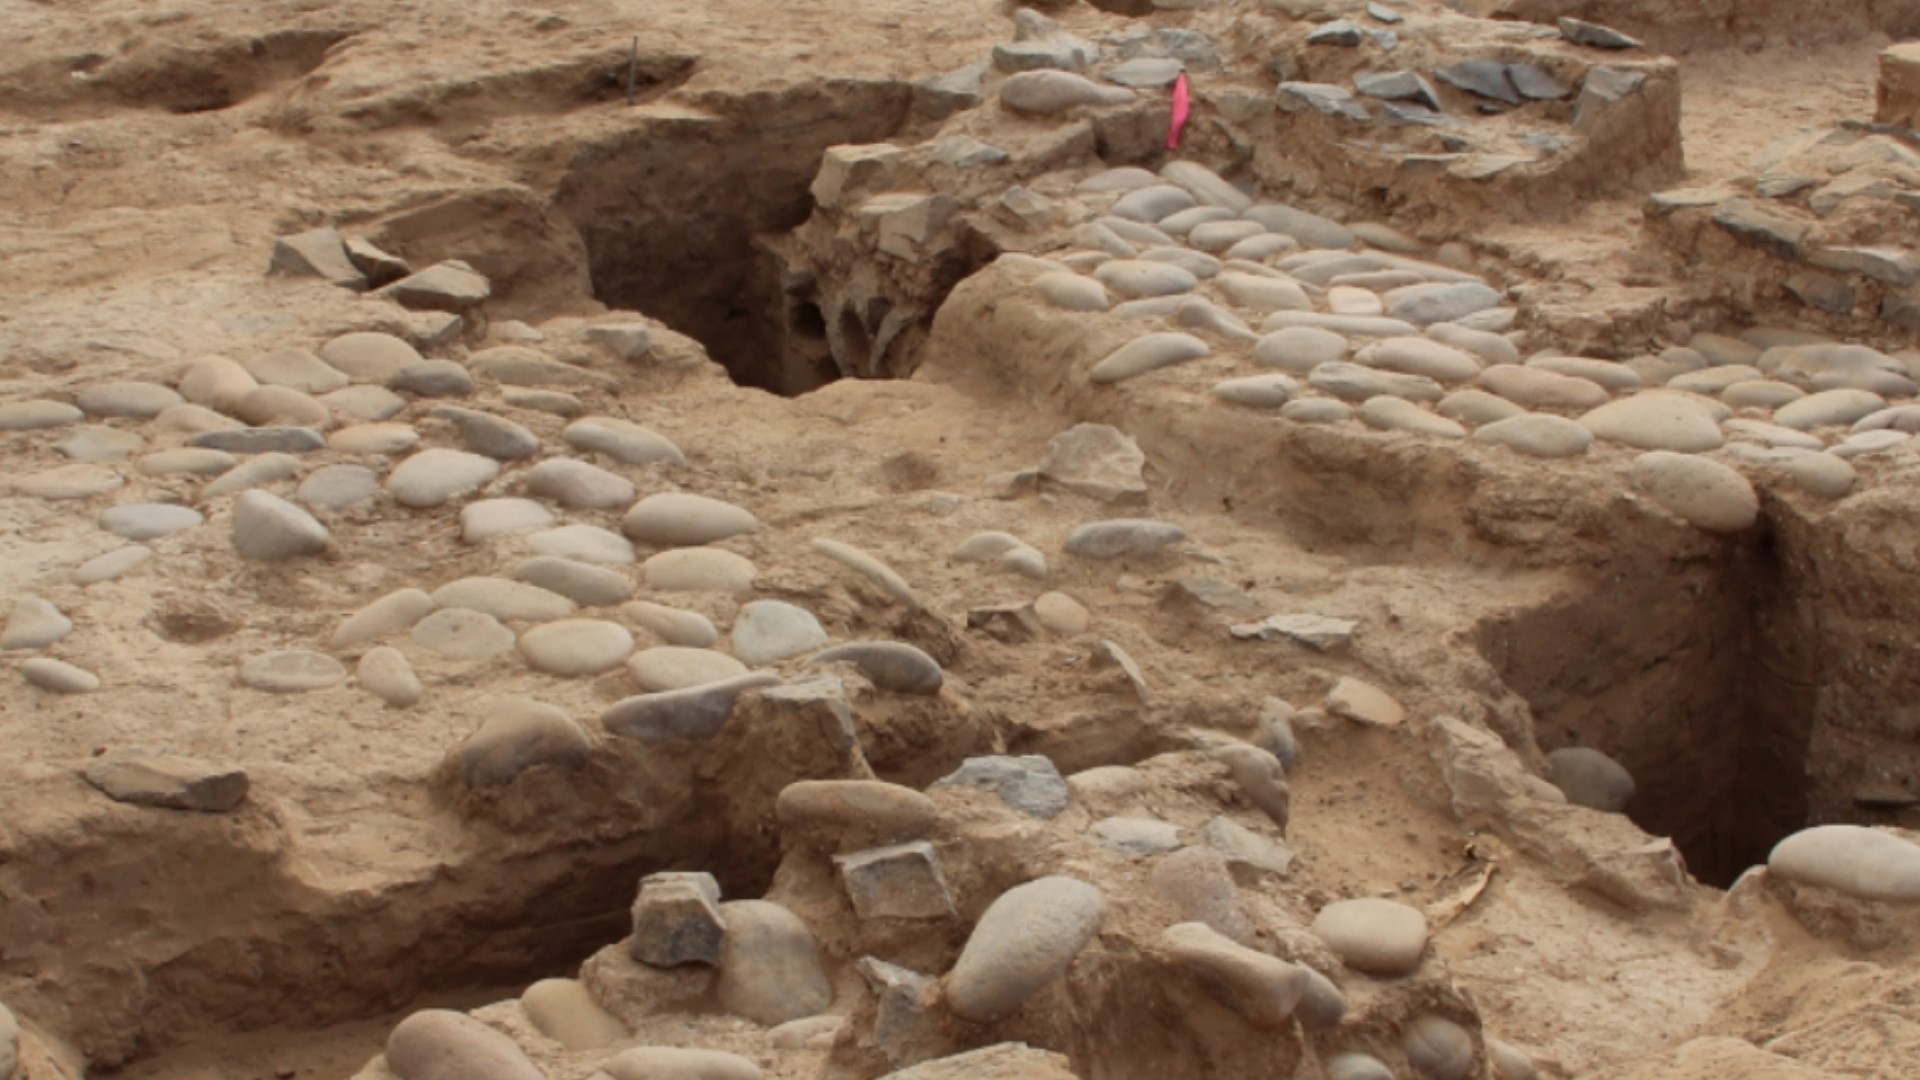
x: 1181, y: 105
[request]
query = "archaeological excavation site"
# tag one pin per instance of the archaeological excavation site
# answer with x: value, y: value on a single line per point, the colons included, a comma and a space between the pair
x: 959, y: 540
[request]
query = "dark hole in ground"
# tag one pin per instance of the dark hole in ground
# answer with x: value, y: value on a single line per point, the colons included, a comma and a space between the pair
x: 1700, y: 680
x: 680, y: 218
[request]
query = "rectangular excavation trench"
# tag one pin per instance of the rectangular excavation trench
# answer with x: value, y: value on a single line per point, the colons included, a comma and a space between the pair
x: 1702, y: 679
x: 675, y: 214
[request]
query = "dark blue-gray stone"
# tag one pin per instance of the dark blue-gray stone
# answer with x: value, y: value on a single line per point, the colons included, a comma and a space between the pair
x: 1030, y: 784
x: 1487, y: 78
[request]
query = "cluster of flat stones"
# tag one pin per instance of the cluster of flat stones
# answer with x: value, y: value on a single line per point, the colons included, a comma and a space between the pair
x: 1829, y: 208
x: 1363, y: 325
x: 1405, y: 100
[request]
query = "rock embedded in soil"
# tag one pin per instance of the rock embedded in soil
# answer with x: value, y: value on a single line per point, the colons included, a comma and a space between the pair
x: 1024, y: 940
x: 131, y: 400
x: 1861, y: 862
x: 438, y: 1044
x: 576, y: 647
x: 37, y: 415
x: 99, y: 445
x: 770, y: 970
x: 385, y: 673
x: 1318, y: 632
x: 1537, y: 435
x: 1261, y: 778
x: 34, y: 624
x: 462, y: 634
x: 291, y: 671
x: 564, y: 1010
x: 1071, y: 292
x: 1699, y: 491
x: 625, y: 442
x: 432, y: 477
x: 1656, y: 420
x: 167, y: 781
x: 578, y: 484
x: 769, y: 631
x: 1144, y: 278
x: 672, y: 667
x: 854, y: 814
x: 58, y: 676
x: 390, y: 614
x: 69, y: 482
x: 148, y: 521
x: 1123, y: 537
x: 889, y: 665
x: 1364, y: 703
x: 1380, y: 937
x: 508, y: 601
x: 520, y: 734
x: 262, y: 440
x: 676, y: 519
x: 1590, y: 778
x: 699, y: 570
x: 450, y: 285
x: 336, y: 487
x: 695, y: 713
x: 368, y: 356
x: 677, y: 920
x: 1439, y: 1048
x: 1398, y: 414
x: 678, y: 1063
x: 1246, y: 850
x: 1262, y: 988
x: 868, y: 566
x: 1096, y: 460
x: 1509, y: 1062
x: 114, y: 564
x: 1357, y: 1067
x: 1031, y: 784
x: 583, y: 583
x: 896, y: 881
x: 674, y: 626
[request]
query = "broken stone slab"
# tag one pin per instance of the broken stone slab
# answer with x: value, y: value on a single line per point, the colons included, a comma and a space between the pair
x: 520, y: 734
x: 1030, y: 784
x: 1603, y: 88
x: 1399, y: 86
x: 1096, y: 460
x: 291, y: 671
x: 902, y: 1025
x: 168, y: 781
x: 450, y: 286
x: 1321, y: 633
x: 677, y: 920
x: 58, y: 676
x: 1025, y: 939
x: 379, y: 266
x: 893, y: 666
x: 1536, y: 83
x: 1325, y: 99
x: 1145, y: 72
x: 1595, y: 36
x: 770, y: 969
x: 940, y: 96
x: 899, y: 881
x: 1340, y: 33
x: 1896, y: 266
x: 697, y: 713
x: 1204, y: 595
x: 1483, y: 78
x: 316, y: 253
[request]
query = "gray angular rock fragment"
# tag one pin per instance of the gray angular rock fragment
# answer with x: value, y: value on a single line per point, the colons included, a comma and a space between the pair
x: 1031, y: 784
x: 167, y: 781
x: 1123, y: 537
x: 677, y: 920
x: 450, y: 286
x: 316, y: 253
x: 1098, y: 461
x: 1323, y: 98
x: 899, y: 881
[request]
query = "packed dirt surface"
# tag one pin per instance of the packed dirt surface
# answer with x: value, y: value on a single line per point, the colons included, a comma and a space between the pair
x: 853, y: 538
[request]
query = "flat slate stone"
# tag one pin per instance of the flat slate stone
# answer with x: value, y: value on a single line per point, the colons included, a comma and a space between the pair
x: 1485, y: 78
x: 1123, y: 537
x: 770, y: 970
x: 1030, y: 784
x: 1325, y: 99
x: 1048, y: 93
x: 167, y: 781
x: 450, y: 286
x: 98, y: 445
x: 1098, y: 461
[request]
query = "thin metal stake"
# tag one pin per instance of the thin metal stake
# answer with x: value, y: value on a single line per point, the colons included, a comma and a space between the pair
x: 633, y: 68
